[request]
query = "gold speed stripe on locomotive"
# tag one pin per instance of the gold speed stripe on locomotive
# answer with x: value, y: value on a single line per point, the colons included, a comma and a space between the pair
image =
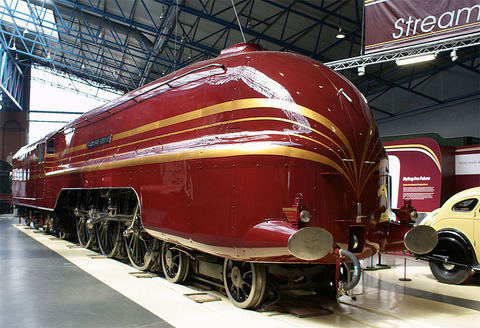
x: 354, y: 177
x: 349, y: 172
x: 227, y: 135
x: 256, y: 148
x: 367, y: 154
x: 327, y: 161
x: 234, y: 105
x: 241, y: 104
x: 348, y: 175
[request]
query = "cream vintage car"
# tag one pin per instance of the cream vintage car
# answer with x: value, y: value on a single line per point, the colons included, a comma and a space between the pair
x: 457, y: 223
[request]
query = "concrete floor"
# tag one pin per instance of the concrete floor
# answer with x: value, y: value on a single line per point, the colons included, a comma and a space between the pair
x: 45, y: 282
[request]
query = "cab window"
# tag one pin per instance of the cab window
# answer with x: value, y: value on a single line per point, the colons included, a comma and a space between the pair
x: 41, y: 153
x: 51, y: 146
x: 466, y: 205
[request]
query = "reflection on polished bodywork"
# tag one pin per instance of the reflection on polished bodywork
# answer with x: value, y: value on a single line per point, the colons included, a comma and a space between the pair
x: 253, y: 157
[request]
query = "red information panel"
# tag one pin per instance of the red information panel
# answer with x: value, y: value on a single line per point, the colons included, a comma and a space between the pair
x: 418, y: 168
x: 392, y: 24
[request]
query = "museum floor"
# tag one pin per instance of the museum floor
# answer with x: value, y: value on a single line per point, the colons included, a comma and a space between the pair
x: 47, y: 282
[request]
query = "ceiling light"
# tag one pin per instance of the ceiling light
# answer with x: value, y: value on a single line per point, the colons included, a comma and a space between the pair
x: 453, y: 55
x: 415, y: 59
x: 361, y: 70
x: 340, y: 34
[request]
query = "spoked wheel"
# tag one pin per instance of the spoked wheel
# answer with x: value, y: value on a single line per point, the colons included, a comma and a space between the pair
x: 244, y: 282
x: 85, y: 232
x: 139, y: 247
x: 175, y: 263
x: 109, y: 237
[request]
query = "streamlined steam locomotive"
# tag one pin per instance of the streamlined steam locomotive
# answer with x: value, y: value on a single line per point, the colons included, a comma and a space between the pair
x: 257, y: 170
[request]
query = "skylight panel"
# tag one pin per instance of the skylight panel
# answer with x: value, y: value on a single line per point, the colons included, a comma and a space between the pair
x: 29, y: 18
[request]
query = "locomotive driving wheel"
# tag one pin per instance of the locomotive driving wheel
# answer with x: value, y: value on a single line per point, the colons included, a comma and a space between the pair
x: 109, y: 237
x: 85, y: 232
x: 245, y: 283
x: 139, y: 246
x: 175, y: 263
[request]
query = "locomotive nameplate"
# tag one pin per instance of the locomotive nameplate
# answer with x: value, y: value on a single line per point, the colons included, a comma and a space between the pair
x: 99, y: 142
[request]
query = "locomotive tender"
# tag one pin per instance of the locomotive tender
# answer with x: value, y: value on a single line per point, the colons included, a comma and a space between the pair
x: 257, y: 170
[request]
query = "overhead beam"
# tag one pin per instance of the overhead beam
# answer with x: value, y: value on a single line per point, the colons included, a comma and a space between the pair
x: 161, y: 40
x: 392, y: 55
x: 234, y: 26
x: 11, y: 78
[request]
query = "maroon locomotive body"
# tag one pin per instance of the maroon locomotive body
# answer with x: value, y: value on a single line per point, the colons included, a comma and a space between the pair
x: 224, y: 169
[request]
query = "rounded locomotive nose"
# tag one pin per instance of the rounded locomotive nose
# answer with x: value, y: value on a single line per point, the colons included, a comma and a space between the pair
x: 310, y: 243
x: 421, y: 239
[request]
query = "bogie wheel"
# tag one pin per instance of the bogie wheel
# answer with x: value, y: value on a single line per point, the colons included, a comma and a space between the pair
x: 245, y: 283
x: 175, y: 263
x: 446, y: 271
x: 63, y: 234
x: 109, y: 237
x: 139, y: 247
x: 85, y: 232
x: 48, y: 225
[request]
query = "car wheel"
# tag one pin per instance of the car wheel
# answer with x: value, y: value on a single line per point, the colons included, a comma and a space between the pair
x: 450, y: 273
x: 451, y: 251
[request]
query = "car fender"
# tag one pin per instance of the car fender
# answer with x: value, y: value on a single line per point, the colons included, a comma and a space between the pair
x: 453, y: 237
